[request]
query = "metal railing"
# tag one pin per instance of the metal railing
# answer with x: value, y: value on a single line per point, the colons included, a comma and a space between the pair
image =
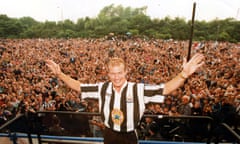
x: 75, y: 128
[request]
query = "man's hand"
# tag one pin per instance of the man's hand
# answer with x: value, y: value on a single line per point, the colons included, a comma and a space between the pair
x: 192, y: 65
x: 55, y: 68
x: 72, y: 83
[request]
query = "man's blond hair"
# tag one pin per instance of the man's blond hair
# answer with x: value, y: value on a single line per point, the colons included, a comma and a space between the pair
x: 116, y: 62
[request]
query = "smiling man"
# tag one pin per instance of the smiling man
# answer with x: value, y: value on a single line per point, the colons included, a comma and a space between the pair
x: 122, y: 103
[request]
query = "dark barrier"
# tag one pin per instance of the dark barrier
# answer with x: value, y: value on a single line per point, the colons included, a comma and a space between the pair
x: 225, y: 133
x: 76, y: 125
x: 10, y: 125
x: 184, y: 128
x: 65, y: 123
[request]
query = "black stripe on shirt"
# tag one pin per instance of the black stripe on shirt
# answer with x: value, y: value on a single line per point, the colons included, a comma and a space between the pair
x: 89, y: 89
x: 103, y: 95
x: 136, y: 105
x: 111, y: 108
x: 153, y: 92
x: 123, y: 107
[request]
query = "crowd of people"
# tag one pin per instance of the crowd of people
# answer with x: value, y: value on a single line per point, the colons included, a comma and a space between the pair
x: 27, y: 85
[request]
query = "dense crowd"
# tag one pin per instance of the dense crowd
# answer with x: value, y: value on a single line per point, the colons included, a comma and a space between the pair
x: 26, y: 84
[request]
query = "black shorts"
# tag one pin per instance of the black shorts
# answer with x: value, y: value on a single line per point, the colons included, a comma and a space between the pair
x: 114, y: 137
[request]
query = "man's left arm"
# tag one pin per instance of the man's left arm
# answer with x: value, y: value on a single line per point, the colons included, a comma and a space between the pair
x: 188, y: 69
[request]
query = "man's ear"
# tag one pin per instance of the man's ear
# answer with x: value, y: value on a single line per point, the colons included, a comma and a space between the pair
x: 126, y: 71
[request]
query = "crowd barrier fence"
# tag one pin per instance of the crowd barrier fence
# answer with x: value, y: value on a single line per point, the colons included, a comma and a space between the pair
x: 73, y: 127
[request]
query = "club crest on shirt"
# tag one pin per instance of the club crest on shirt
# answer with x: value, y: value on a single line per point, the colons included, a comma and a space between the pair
x: 117, y: 116
x: 108, y: 94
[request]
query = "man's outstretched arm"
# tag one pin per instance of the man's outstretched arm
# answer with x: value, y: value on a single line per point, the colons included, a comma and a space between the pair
x: 188, y: 69
x: 70, y: 82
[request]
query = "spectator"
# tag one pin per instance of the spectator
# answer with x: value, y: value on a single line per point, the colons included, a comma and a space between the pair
x: 150, y: 129
x: 56, y: 128
x: 196, y: 110
x: 184, y: 108
x: 97, y: 124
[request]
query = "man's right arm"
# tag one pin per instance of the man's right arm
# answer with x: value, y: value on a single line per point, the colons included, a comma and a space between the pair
x: 70, y: 82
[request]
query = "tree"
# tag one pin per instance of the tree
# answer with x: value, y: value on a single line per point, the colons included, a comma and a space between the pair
x: 120, y: 20
x: 10, y: 27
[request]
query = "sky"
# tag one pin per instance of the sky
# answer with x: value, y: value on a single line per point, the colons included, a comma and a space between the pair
x: 58, y: 10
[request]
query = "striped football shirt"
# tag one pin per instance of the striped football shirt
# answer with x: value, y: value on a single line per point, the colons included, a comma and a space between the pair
x: 122, y: 111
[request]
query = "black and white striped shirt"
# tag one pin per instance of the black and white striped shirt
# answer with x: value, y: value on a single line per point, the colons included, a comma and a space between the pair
x: 122, y: 111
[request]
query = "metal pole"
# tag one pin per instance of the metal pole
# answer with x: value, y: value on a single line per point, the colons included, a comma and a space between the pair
x: 191, y: 32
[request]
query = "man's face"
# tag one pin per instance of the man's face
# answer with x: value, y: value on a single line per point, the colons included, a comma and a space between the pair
x: 117, y: 75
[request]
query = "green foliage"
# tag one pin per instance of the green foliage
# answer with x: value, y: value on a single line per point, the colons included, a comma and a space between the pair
x: 134, y: 32
x: 120, y: 20
x: 224, y: 36
x: 10, y: 28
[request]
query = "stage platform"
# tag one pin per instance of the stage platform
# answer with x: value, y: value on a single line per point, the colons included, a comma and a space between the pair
x: 46, y: 139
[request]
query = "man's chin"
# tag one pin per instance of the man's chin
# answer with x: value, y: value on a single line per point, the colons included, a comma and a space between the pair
x: 117, y: 84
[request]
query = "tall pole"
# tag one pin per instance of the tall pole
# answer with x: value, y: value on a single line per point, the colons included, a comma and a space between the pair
x: 238, y: 11
x: 61, y: 13
x: 191, y: 32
